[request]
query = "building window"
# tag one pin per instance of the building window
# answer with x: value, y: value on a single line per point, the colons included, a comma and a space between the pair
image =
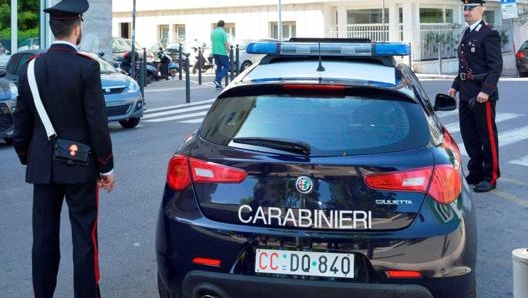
x: 489, y: 16
x: 178, y: 33
x: 366, y: 16
x: 289, y: 29
x: 163, y: 34
x: 436, y: 15
x: 124, y: 30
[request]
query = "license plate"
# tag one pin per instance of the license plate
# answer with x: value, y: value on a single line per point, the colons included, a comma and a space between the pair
x: 307, y: 263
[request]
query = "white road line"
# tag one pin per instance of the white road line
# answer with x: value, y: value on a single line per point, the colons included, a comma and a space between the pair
x: 506, y: 138
x: 179, y: 111
x: 500, y: 117
x: 201, y: 102
x: 185, y: 116
x: 523, y: 161
x: 193, y: 121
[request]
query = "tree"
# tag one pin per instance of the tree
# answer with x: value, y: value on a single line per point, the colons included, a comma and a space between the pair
x: 28, y: 19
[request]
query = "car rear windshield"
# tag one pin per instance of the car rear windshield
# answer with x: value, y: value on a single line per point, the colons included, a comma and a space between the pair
x: 330, y: 126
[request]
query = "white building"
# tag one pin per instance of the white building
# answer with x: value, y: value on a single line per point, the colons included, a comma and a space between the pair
x: 429, y: 26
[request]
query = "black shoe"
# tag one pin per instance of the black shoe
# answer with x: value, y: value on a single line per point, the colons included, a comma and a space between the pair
x: 484, y: 186
x: 473, y: 179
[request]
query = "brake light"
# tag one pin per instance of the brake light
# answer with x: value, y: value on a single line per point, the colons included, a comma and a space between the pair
x: 442, y: 182
x: 183, y: 170
x: 520, y: 55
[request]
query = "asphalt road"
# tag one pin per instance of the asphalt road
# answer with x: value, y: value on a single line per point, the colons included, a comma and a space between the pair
x: 128, y: 215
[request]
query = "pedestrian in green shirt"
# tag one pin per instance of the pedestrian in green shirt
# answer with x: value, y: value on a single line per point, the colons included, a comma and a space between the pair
x: 220, y: 48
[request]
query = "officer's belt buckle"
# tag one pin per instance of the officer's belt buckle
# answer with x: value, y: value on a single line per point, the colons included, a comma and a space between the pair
x: 463, y: 76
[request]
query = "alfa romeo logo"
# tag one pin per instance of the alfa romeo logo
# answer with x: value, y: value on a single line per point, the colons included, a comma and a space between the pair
x: 304, y: 184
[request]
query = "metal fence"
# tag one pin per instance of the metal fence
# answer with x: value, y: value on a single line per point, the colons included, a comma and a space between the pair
x: 434, y: 38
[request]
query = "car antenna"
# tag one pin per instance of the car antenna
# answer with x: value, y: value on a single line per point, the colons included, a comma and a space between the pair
x: 320, y: 67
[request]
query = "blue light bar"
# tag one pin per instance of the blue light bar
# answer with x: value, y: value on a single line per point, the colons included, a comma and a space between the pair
x: 329, y: 49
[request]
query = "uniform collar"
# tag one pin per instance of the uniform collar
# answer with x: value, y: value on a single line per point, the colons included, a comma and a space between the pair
x: 62, y: 42
x: 472, y: 27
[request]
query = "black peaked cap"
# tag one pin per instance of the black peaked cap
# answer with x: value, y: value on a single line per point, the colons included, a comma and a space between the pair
x: 67, y: 9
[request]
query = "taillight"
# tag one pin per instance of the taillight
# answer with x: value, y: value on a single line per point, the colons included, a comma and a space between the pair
x: 442, y: 182
x: 183, y: 170
x: 403, y: 274
x: 520, y: 55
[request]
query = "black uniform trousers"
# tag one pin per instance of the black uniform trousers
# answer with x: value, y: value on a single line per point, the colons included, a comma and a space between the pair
x: 82, y: 200
x: 479, y: 133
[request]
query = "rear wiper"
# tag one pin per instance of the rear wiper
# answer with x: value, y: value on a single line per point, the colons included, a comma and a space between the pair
x: 293, y: 146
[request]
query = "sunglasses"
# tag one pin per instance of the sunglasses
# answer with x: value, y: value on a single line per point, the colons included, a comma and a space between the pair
x: 469, y: 7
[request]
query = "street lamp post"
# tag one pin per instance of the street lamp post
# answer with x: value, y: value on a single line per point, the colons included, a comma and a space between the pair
x: 279, y: 29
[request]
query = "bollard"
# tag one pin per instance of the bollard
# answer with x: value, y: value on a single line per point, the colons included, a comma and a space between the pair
x: 181, y: 62
x: 231, y: 70
x: 520, y: 272
x: 143, y: 71
x: 187, y: 80
x: 237, y: 60
x: 199, y: 61
x: 440, y: 57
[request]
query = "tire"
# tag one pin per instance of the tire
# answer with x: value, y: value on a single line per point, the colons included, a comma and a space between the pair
x: 9, y: 141
x: 163, y: 291
x: 245, y: 65
x: 129, y: 122
x: 523, y: 74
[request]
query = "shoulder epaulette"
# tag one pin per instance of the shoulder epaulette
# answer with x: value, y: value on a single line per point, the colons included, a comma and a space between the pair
x: 83, y: 54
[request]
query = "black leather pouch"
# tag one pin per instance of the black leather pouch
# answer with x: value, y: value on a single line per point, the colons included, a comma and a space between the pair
x: 71, y: 152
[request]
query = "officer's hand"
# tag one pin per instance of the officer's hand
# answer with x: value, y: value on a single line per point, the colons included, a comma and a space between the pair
x: 107, y: 182
x: 452, y: 92
x: 482, y: 97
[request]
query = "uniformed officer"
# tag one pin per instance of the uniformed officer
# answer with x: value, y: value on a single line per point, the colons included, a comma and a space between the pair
x: 69, y: 85
x: 480, y: 66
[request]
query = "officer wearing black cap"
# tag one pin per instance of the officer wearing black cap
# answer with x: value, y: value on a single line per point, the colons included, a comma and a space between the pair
x: 480, y: 67
x: 69, y: 85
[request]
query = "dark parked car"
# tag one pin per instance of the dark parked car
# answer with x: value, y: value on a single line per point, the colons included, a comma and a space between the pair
x: 521, y: 60
x: 322, y: 171
x: 124, y: 102
x: 8, y: 95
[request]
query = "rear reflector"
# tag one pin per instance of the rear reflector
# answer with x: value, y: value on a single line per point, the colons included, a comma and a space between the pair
x: 183, y: 170
x: 206, y: 262
x: 403, y: 274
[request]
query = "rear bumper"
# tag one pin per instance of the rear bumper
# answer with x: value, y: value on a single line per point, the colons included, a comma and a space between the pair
x: 198, y: 283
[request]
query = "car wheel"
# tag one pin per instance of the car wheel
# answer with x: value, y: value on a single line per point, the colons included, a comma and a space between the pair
x: 245, y: 65
x: 9, y: 141
x: 129, y: 122
x: 164, y: 292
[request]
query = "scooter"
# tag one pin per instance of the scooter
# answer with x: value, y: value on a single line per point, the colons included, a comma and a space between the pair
x: 202, y: 63
x: 125, y: 62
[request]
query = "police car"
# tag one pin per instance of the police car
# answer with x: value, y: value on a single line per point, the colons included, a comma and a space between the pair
x: 322, y: 171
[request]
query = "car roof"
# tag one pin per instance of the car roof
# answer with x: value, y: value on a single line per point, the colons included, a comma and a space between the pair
x: 335, y: 70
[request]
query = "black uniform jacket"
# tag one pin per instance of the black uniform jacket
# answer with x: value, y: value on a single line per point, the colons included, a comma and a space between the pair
x: 479, y: 55
x: 69, y: 84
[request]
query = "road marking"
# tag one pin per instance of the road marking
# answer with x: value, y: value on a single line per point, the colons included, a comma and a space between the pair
x: 523, y: 161
x: 201, y: 102
x: 511, y: 198
x: 178, y: 111
x: 506, y: 138
x: 500, y: 117
x: 179, y: 117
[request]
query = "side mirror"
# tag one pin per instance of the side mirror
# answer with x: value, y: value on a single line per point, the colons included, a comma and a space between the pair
x: 444, y: 102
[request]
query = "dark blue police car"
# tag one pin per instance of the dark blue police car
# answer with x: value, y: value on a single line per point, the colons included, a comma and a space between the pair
x: 322, y: 171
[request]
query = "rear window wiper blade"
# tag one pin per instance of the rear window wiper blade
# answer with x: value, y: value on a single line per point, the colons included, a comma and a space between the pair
x: 292, y: 146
